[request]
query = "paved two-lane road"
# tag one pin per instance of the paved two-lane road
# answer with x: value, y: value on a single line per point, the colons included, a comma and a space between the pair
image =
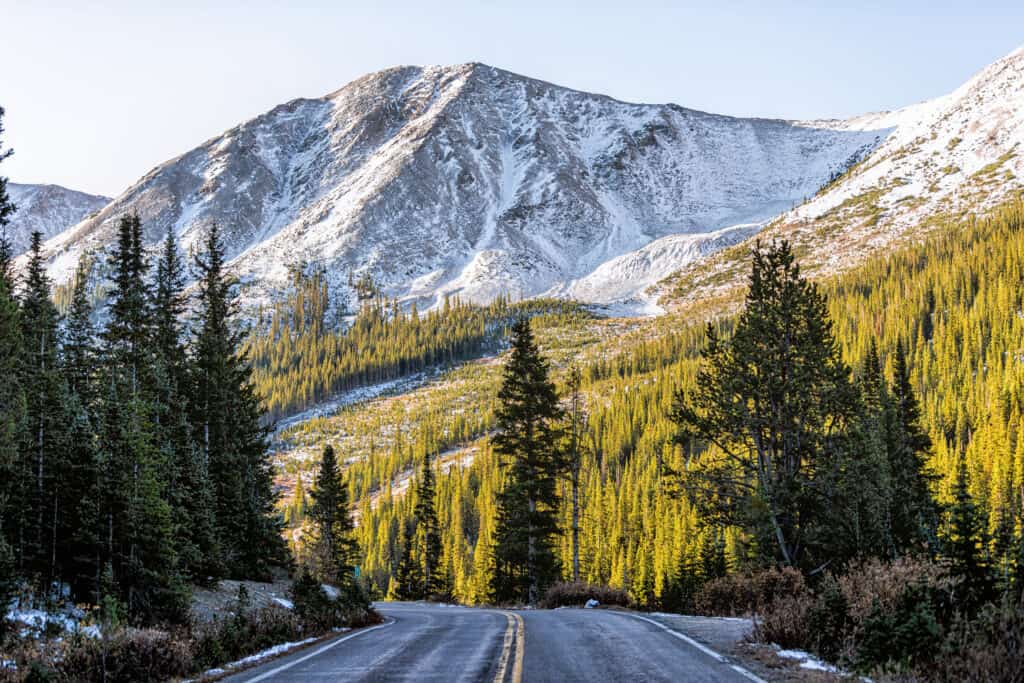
x: 421, y: 642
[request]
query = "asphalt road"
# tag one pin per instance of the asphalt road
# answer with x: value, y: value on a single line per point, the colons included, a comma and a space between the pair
x: 438, y: 643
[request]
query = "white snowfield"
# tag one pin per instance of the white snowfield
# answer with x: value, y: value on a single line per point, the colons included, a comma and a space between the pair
x: 475, y: 181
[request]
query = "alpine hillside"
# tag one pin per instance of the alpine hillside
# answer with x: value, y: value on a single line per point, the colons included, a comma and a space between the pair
x: 956, y: 154
x: 472, y: 180
x: 49, y: 209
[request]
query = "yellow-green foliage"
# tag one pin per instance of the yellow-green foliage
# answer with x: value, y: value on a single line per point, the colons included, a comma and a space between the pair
x: 956, y: 301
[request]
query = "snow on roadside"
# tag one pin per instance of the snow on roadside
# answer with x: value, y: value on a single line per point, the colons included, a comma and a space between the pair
x: 256, y: 658
x: 262, y: 656
x: 807, y: 661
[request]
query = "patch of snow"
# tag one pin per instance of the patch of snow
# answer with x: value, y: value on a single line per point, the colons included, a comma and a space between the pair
x: 269, y: 653
x: 807, y: 660
x: 287, y: 604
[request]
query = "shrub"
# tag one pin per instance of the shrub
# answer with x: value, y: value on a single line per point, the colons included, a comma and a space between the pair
x: 574, y: 594
x: 883, y: 583
x: 128, y: 655
x: 902, y: 635
x: 320, y: 610
x: 743, y: 594
x: 989, y: 648
x: 828, y: 620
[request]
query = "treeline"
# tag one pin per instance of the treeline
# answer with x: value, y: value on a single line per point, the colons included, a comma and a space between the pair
x: 302, y: 359
x: 133, y: 461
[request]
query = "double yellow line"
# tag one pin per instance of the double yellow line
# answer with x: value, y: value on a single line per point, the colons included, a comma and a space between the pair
x: 515, y: 637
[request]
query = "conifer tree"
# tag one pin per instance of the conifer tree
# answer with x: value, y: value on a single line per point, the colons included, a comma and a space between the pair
x: 859, y: 517
x: 408, y: 573
x: 44, y: 451
x: 428, y: 533
x: 966, y: 545
x: 12, y: 398
x: 332, y: 523
x: 81, y: 480
x: 914, y: 516
x: 190, y: 493
x: 764, y: 418
x: 7, y: 209
x: 136, y: 516
x: 228, y: 428
x: 574, y: 454
x: 528, y: 432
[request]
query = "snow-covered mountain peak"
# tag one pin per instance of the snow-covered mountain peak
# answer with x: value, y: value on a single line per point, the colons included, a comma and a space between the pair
x: 49, y: 209
x: 475, y: 181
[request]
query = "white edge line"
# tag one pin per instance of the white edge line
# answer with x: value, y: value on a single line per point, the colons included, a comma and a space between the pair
x: 703, y: 648
x: 318, y: 651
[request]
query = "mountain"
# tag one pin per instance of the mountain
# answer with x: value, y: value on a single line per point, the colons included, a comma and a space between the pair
x: 50, y: 209
x: 475, y: 181
x: 956, y: 154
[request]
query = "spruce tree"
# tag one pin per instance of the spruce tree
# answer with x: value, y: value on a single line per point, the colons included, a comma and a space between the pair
x: 190, y: 493
x: 227, y: 420
x: 914, y: 515
x: 332, y: 524
x: 12, y: 401
x: 859, y: 513
x: 137, y: 521
x: 81, y: 480
x: 44, y: 452
x: 428, y: 532
x: 408, y: 572
x: 764, y: 422
x: 7, y: 209
x: 574, y: 453
x: 528, y: 418
x: 966, y: 545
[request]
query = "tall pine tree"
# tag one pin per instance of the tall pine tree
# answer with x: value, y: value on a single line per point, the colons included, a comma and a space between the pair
x: 226, y: 417
x: 43, y: 455
x: 914, y: 514
x: 332, y: 524
x: 766, y: 418
x: 12, y: 398
x: 528, y: 435
x: 428, y: 532
x: 137, y: 523
x: 190, y: 493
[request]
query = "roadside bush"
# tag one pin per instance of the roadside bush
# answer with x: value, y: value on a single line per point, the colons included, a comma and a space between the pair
x: 878, y: 583
x: 128, y: 655
x: 987, y: 649
x: 901, y: 635
x: 321, y: 608
x: 243, y: 634
x: 828, y: 620
x: 576, y: 594
x: 743, y: 594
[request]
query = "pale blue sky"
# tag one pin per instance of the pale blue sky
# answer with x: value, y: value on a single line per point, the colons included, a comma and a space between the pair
x: 97, y: 94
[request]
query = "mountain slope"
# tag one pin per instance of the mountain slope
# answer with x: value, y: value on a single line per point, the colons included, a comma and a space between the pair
x: 50, y: 209
x: 963, y: 152
x: 472, y: 180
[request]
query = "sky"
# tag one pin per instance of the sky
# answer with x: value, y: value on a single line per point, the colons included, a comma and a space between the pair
x: 97, y: 94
